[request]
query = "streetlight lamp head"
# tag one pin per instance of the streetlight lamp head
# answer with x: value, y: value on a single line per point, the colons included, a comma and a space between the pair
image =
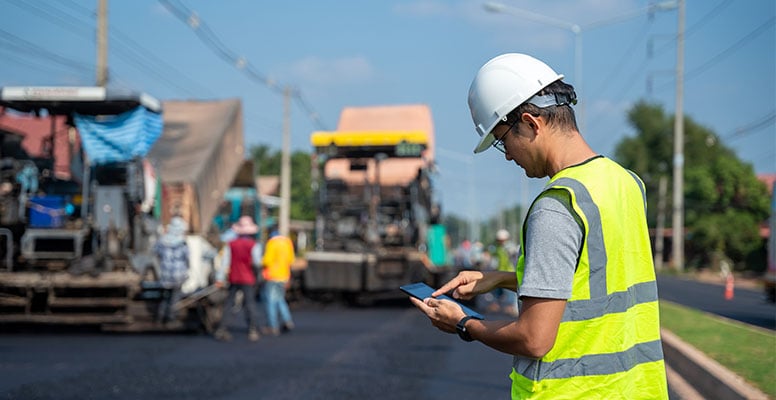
x: 666, y: 5
x: 494, y: 7
x: 501, y: 85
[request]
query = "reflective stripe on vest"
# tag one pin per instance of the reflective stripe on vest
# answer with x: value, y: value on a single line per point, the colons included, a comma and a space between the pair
x: 599, y: 304
x: 594, y: 364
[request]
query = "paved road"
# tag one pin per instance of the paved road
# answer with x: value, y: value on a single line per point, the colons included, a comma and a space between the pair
x: 334, y: 353
x: 384, y: 352
x: 747, y: 305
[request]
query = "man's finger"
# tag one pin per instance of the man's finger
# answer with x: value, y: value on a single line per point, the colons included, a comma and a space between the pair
x: 452, y: 284
x: 421, y: 305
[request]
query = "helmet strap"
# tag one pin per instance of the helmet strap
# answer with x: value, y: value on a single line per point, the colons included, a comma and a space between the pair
x: 552, y: 99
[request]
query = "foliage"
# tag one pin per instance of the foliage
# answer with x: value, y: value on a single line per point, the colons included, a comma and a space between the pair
x: 724, y: 201
x: 458, y: 228
x: 510, y: 219
x: 302, y: 200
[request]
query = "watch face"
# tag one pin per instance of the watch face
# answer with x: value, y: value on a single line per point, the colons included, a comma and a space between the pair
x: 460, y: 327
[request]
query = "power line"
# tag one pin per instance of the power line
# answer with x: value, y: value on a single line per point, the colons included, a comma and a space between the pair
x: 203, y: 31
x: 693, y: 29
x: 47, y: 68
x: 625, y: 57
x: 77, y: 19
x: 753, y: 126
x: 78, y: 26
x: 127, y: 44
x: 71, y: 24
x: 125, y: 41
x: 131, y: 52
x: 69, y: 17
x: 709, y: 16
x: 23, y: 46
x: 689, y: 75
x: 719, y: 57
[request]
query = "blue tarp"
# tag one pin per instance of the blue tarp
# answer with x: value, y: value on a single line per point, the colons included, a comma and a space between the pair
x: 121, y: 137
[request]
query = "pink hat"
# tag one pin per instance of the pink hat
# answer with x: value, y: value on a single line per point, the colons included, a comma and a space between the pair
x: 245, y: 226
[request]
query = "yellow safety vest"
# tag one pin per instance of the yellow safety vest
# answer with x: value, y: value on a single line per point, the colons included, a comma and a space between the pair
x: 608, y: 344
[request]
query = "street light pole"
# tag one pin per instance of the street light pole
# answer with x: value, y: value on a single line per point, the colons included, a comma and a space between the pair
x: 577, y: 30
x: 558, y: 23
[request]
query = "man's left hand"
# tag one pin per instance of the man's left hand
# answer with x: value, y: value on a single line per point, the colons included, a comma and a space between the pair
x: 444, y: 314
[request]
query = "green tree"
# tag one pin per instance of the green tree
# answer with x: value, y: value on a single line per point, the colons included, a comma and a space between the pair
x: 509, y: 218
x: 302, y: 197
x: 268, y: 161
x: 457, y: 228
x: 724, y: 201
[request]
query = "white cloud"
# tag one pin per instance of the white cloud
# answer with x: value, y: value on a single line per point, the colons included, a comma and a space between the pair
x: 329, y: 72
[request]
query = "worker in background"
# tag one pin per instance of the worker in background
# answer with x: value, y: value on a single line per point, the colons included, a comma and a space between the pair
x: 277, y: 260
x: 173, y: 255
x: 240, y: 258
x: 503, y: 299
x: 588, y: 324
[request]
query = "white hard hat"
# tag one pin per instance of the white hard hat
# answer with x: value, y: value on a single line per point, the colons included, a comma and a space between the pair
x: 502, y: 234
x: 501, y: 85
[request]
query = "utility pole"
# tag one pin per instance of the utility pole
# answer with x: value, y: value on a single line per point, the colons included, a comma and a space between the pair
x: 661, y: 215
x: 102, y: 43
x: 285, y: 166
x: 678, y: 210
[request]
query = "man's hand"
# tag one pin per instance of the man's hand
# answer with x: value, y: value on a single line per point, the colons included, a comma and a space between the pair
x: 444, y: 314
x: 468, y: 284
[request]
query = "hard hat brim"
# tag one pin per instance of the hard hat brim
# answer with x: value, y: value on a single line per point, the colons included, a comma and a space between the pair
x: 485, y: 142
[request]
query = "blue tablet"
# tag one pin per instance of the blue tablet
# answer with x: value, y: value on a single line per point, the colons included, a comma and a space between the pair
x: 421, y: 291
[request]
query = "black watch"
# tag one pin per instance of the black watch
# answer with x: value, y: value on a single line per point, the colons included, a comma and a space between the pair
x: 460, y: 327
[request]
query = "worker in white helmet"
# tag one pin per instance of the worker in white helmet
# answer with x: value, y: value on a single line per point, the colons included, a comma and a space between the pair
x: 588, y: 323
x: 504, y: 300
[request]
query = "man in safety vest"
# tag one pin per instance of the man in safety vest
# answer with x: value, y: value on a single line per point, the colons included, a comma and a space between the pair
x: 588, y: 325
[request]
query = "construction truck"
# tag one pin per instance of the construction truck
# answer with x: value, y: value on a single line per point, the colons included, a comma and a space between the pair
x: 375, y: 204
x: 79, y: 245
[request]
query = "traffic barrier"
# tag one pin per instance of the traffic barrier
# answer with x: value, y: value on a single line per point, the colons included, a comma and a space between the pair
x: 729, y: 287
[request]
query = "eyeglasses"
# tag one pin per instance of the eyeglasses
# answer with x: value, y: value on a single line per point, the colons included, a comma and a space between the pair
x: 498, y: 144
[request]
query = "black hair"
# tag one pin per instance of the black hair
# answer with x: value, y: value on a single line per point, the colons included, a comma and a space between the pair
x: 561, y: 116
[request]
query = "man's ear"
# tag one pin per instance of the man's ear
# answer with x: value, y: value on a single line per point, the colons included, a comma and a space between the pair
x: 531, y: 121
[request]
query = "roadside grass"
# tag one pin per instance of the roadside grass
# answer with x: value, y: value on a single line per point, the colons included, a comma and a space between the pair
x: 750, y: 353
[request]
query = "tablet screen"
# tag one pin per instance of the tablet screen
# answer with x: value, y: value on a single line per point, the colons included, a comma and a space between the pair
x: 421, y: 291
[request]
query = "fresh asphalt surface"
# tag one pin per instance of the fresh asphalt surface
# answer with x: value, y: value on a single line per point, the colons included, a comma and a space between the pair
x: 389, y: 351
x: 335, y: 352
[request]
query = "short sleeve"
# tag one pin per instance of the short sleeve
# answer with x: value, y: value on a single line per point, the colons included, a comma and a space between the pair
x: 552, y: 247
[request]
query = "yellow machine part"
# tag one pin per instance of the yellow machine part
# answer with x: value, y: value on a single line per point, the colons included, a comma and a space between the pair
x: 367, y: 138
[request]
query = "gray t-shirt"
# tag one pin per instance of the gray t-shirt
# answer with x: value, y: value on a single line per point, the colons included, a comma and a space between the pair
x: 552, y: 247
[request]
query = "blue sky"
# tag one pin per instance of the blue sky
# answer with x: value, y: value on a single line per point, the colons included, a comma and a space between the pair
x: 363, y: 53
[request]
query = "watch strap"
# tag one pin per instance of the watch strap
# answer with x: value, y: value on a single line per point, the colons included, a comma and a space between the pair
x: 460, y: 327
